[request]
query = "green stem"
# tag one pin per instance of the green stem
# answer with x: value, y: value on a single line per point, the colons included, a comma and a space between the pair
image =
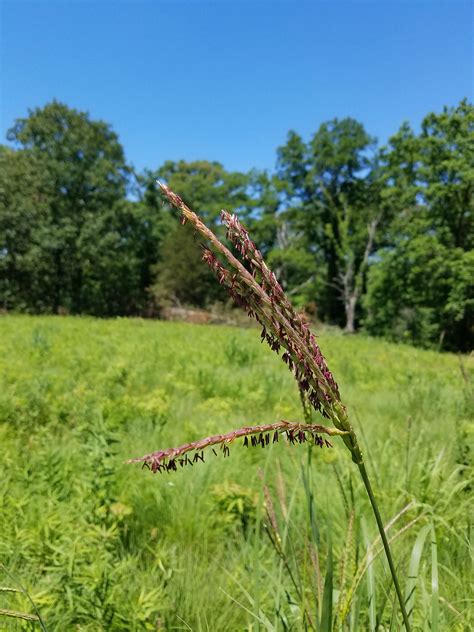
x: 386, y: 545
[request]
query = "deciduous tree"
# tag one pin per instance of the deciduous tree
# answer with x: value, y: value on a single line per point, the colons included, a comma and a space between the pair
x: 420, y: 288
x: 81, y: 165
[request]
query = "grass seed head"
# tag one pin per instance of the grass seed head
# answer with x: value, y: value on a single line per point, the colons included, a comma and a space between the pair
x: 254, y: 287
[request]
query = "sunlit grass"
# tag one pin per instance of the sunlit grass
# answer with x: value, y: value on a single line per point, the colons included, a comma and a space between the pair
x: 103, y: 545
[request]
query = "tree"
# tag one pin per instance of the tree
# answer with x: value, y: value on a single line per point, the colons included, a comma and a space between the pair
x: 419, y: 286
x: 420, y: 291
x: 205, y: 186
x: 85, y: 167
x: 180, y: 277
x: 26, y: 242
x: 446, y: 173
x: 434, y: 172
x: 332, y: 210
x: 114, y: 267
x: 353, y: 241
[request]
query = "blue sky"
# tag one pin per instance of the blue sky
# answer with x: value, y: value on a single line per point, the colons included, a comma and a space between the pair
x: 226, y: 80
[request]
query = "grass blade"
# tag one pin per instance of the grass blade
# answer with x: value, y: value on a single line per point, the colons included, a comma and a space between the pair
x: 412, y: 580
x: 434, y: 582
x: 260, y: 617
x: 258, y: 614
x: 370, y: 579
x: 326, y: 617
x: 354, y: 614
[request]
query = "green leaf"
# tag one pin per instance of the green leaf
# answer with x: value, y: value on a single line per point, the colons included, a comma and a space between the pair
x: 326, y: 617
x: 434, y: 582
x: 412, y: 580
x: 370, y: 579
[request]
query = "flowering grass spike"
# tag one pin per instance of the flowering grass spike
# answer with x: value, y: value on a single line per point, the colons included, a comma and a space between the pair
x: 254, y: 287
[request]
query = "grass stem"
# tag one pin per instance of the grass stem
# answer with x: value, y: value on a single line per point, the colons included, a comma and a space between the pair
x: 386, y: 545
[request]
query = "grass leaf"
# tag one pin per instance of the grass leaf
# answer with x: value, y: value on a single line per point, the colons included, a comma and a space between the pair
x: 413, y: 572
x: 434, y: 582
x: 326, y: 617
x: 370, y: 579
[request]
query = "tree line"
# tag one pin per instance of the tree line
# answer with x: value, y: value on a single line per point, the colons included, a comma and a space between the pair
x: 378, y: 238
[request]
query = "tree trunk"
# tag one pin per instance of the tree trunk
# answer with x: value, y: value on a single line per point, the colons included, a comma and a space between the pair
x: 352, y: 281
x: 350, y: 307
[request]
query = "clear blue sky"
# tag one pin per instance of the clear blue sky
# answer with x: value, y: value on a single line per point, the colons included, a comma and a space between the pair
x: 226, y: 80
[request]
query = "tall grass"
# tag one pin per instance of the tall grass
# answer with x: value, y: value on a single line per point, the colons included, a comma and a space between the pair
x: 100, y: 546
x: 254, y: 287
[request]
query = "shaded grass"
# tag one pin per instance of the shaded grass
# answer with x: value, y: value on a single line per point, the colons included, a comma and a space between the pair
x: 103, y: 545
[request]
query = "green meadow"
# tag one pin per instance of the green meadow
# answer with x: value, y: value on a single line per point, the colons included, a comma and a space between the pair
x: 274, y: 539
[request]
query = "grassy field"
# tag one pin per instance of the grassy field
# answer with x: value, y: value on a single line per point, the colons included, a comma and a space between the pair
x: 274, y: 539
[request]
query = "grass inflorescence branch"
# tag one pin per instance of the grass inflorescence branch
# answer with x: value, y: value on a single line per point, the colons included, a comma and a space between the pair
x: 260, y: 435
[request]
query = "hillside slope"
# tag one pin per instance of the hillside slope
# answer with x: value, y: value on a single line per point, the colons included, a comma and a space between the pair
x: 103, y: 545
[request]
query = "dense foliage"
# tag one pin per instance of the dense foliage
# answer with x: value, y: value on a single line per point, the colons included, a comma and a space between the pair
x: 249, y: 542
x: 361, y: 236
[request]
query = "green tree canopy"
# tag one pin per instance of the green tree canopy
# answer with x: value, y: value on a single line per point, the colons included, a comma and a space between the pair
x: 420, y: 291
x: 420, y: 288
x: 434, y: 172
x: 331, y: 211
x: 26, y: 241
x: 205, y: 186
x: 77, y: 176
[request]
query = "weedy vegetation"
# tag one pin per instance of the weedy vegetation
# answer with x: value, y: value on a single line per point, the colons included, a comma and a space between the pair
x: 279, y: 538
x: 276, y: 539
